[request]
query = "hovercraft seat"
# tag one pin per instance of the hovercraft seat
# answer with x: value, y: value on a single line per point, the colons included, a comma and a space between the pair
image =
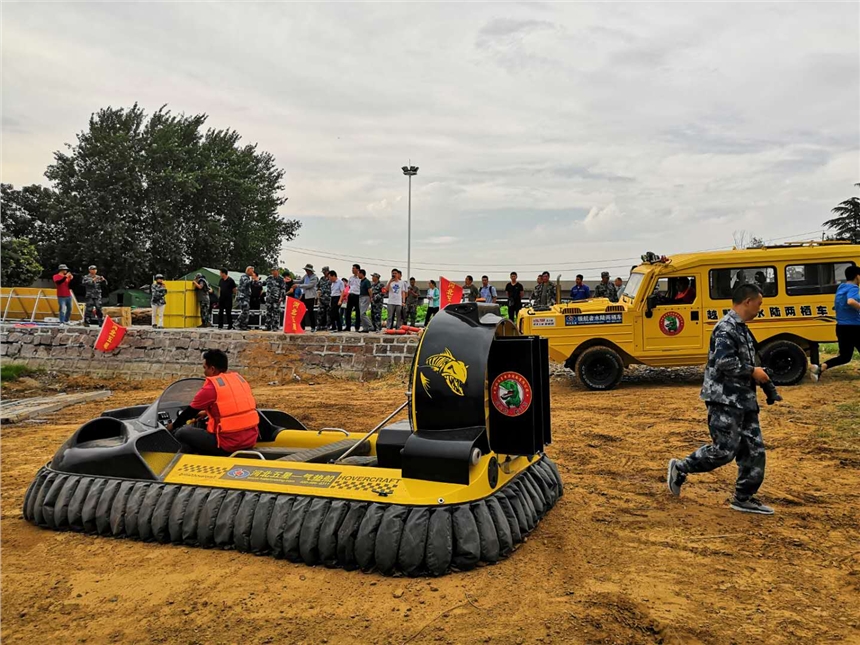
x: 324, y: 454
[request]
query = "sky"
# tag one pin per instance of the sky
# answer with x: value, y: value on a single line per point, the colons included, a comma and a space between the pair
x: 566, y: 137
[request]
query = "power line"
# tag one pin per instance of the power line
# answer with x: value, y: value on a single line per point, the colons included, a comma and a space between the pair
x: 584, y: 265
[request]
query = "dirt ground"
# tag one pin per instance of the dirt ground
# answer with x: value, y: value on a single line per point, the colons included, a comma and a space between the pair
x: 617, y: 561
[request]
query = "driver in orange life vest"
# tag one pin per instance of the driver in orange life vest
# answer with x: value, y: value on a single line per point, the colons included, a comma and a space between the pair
x: 227, y: 401
x: 686, y: 292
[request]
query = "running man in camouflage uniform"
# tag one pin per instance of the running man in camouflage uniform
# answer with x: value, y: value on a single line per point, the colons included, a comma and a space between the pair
x: 274, y: 296
x: 413, y: 294
x: 729, y: 392
x: 606, y: 289
x: 377, y: 299
x: 243, y: 298
x: 324, y: 300
x: 92, y: 283
x: 203, y: 290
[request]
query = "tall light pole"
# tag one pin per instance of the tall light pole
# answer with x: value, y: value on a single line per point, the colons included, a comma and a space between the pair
x: 409, y: 171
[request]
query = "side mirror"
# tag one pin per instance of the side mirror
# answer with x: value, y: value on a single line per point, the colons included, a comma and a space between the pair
x: 650, y: 304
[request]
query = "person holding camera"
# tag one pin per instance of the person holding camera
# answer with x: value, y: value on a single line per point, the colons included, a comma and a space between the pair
x: 729, y: 392
x: 93, y: 285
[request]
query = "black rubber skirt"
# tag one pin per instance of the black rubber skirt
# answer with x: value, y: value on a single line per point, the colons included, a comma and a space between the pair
x: 388, y: 538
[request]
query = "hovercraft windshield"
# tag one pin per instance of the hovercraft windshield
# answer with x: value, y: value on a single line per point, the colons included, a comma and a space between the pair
x: 172, y: 401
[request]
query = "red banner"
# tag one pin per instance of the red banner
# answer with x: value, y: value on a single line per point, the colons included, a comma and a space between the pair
x: 293, y: 314
x: 450, y: 293
x: 110, y: 336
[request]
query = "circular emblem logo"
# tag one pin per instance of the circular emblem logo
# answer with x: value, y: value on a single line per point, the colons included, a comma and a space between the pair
x: 671, y: 323
x: 511, y: 394
x: 238, y: 473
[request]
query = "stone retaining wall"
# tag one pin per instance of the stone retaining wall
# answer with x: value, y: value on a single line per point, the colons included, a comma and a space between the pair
x: 151, y: 353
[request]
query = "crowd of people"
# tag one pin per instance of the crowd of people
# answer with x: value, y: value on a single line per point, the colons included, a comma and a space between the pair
x: 333, y: 303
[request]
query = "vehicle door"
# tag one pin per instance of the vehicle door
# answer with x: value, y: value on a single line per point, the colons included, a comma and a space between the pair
x: 675, y: 321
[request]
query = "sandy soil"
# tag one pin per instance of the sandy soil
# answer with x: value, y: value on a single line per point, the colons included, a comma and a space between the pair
x: 617, y: 561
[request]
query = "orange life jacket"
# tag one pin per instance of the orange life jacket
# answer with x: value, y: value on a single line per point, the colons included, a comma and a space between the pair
x: 237, y: 409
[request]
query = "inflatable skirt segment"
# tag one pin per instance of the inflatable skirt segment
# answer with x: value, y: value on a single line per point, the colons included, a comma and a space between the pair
x: 462, y: 482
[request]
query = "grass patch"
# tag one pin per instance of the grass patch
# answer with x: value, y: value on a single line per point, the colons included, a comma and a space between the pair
x: 14, y: 371
x: 845, y: 421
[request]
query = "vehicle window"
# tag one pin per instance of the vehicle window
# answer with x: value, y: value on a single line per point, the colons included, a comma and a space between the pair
x: 723, y: 281
x: 632, y: 285
x: 812, y: 279
x: 681, y: 290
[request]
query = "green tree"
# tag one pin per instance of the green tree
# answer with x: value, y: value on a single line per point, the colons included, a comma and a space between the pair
x: 846, y: 224
x: 20, y: 263
x: 138, y: 195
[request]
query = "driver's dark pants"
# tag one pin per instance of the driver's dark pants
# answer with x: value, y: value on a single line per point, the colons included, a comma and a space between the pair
x: 736, y: 436
x: 199, y: 441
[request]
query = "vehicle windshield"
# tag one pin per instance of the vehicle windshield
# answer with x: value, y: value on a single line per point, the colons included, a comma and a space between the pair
x: 632, y: 285
x: 177, y: 396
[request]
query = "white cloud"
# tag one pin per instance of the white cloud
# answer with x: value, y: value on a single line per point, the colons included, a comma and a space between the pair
x: 535, y: 128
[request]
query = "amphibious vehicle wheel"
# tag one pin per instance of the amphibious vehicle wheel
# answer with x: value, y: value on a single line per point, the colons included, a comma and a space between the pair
x: 785, y: 360
x: 599, y: 368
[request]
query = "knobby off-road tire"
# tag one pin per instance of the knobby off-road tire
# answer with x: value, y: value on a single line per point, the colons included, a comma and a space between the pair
x: 389, y: 538
x: 785, y: 360
x: 599, y: 368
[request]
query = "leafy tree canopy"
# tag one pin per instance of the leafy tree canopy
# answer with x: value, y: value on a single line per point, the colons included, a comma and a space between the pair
x: 138, y: 195
x: 846, y: 224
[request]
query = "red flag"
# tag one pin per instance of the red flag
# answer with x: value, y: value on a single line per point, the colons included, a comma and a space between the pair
x: 293, y: 314
x: 450, y: 293
x: 110, y: 336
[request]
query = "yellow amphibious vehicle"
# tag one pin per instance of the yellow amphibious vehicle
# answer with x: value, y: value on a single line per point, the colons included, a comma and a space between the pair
x: 670, y: 305
x: 462, y: 481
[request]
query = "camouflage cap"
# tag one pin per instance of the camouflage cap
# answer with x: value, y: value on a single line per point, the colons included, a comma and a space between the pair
x: 604, y: 274
x: 199, y: 275
x: 158, y: 276
x: 324, y: 269
x: 375, y: 275
x: 91, y: 267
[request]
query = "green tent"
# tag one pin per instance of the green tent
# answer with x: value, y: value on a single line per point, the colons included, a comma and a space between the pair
x: 129, y: 298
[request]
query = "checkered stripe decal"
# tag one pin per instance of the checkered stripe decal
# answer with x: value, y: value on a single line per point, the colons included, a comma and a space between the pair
x: 201, y: 469
x: 365, y: 485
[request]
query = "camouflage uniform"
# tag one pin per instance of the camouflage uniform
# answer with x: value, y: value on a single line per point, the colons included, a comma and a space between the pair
x: 157, y: 294
x: 377, y: 299
x: 607, y: 290
x: 243, y: 300
x: 411, y: 308
x: 203, y: 301
x: 93, y: 298
x: 544, y: 294
x: 324, y: 300
x: 730, y: 395
x: 274, y: 297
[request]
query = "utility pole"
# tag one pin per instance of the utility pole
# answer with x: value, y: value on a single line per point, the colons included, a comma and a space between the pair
x: 409, y: 171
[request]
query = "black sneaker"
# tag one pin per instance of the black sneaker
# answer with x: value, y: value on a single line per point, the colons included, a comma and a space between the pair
x: 675, y: 478
x: 751, y: 505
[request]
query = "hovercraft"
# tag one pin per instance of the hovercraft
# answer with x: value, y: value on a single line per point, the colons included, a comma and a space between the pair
x: 461, y: 482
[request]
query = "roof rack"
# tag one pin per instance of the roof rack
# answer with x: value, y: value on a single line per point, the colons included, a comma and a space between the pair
x: 808, y: 243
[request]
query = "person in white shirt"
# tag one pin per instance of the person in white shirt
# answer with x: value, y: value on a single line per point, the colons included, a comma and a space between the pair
x: 352, y: 298
x: 336, y: 296
x: 396, y: 288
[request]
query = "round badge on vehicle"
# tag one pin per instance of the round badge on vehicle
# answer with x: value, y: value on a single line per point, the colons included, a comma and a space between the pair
x: 671, y: 323
x: 511, y: 394
x: 238, y: 473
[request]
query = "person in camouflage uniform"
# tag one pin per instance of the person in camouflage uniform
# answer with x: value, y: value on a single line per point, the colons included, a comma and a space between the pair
x: 275, y: 294
x: 93, y: 300
x: 203, y: 290
x: 158, y: 293
x: 413, y: 294
x: 544, y: 291
x: 377, y: 299
x: 324, y: 300
x: 729, y: 392
x: 606, y: 289
x: 243, y: 298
